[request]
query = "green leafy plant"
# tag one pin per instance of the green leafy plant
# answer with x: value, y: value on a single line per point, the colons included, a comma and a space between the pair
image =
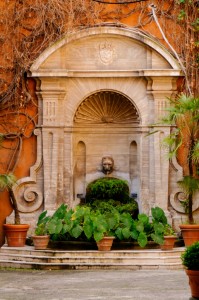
x: 61, y: 226
x: 98, y: 225
x: 168, y: 230
x: 93, y: 224
x: 42, y: 224
x: 147, y: 230
x: 190, y: 258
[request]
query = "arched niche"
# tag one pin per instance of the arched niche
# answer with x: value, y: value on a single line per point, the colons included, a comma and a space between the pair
x: 106, y: 107
x: 79, y: 173
x: 103, y: 122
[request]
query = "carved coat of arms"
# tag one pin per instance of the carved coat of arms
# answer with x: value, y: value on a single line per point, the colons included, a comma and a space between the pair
x: 106, y: 52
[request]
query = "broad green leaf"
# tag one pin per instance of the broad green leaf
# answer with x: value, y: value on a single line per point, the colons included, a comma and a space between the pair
x: 159, y: 215
x: 126, y: 233
x: 119, y: 233
x: 76, y: 231
x: 134, y: 234
x: 67, y: 227
x: 55, y: 226
x: 142, y: 239
x: 58, y: 227
x: 88, y: 229
x: 140, y: 226
x: 159, y: 228
x: 98, y: 236
x: 157, y: 238
x: 143, y: 218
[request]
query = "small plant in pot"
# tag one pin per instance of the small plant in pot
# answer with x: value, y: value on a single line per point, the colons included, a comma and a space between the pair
x: 190, y: 260
x: 169, y: 238
x: 41, y: 235
x: 101, y: 227
x: 15, y: 233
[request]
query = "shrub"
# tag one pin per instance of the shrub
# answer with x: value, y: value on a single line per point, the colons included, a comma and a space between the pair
x: 108, y: 188
x: 105, y: 206
x: 190, y: 258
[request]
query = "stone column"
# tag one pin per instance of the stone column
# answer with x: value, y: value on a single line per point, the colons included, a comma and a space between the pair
x: 53, y: 142
x: 161, y: 88
x: 144, y: 174
x: 68, y: 167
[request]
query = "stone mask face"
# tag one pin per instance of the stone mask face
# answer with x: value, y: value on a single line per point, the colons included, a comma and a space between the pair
x: 107, y: 165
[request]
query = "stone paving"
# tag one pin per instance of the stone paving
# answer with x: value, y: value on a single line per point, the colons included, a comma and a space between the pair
x: 94, y: 285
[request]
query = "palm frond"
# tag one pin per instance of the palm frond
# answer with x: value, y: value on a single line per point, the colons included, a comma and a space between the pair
x: 189, y: 184
x: 195, y: 153
x: 7, y: 181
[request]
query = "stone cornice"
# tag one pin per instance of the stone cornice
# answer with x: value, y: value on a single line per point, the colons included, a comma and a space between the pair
x: 108, y: 73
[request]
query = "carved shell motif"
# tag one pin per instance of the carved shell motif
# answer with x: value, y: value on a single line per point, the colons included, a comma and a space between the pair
x: 106, y: 107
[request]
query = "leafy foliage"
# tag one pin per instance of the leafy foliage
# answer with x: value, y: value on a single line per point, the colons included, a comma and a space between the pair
x: 41, y: 228
x: 168, y: 230
x: 108, y: 188
x: 88, y: 224
x: 183, y: 114
x: 190, y: 258
x: 105, y: 206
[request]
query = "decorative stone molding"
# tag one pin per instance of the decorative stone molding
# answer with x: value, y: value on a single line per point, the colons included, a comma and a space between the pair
x: 107, y: 31
x: 27, y: 191
x: 117, y: 81
x: 178, y: 197
x: 106, y: 52
x: 52, y: 116
x: 106, y: 107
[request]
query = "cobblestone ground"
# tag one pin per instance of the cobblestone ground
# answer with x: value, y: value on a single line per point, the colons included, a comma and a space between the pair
x: 94, y: 285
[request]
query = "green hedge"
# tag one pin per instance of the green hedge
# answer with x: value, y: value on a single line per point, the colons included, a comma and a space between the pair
x: 108, y: 188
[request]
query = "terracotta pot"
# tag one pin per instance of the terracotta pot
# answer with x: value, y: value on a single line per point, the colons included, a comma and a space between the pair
x: 40, y: 241
x: 106, y: 243
x: 16, y: 234
x: 190, y: 233
x: 169, y: 242
x: 194, y: 282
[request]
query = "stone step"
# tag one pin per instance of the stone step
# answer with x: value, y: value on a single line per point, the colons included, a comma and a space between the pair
x: 29, y: 250
x: 95, y: 258
x: 29, y: 258
x: 86, y: 266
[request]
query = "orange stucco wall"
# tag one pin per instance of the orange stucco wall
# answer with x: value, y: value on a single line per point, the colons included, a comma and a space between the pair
x: 28, y: 152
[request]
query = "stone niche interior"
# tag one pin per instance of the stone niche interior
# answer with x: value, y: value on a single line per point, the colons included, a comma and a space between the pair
x: 105, y: 125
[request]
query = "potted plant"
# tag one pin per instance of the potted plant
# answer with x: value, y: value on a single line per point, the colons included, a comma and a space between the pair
x: 146, y: 229
x: 190, y: 230
x: 15, y: 233
x: 183, y: 115
x: 41, y: 235
x: 190, y: 259
x: 169, y: 238
x: 84, y: 222
x: 101, y: 227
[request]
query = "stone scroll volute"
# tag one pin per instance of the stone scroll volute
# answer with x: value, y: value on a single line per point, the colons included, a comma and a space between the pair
x: 27, y: 190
